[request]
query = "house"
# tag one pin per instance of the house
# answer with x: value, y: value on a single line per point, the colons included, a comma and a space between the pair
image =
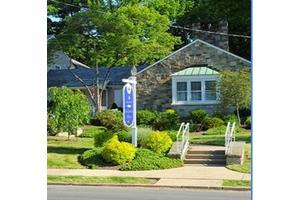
x: 184, y: 80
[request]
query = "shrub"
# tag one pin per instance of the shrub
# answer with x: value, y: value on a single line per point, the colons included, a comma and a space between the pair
x: 92, y: 158
x: 145, y: 117
x: 248, y: 122
x: 172, y: 135
x: 69, y: 109
x: 124, y: 136
x: 168, y: 119
x: 148, y: 160
x: 212, y: 122
x: 90, y: 132
x: 52, y: 128
x: 117, y: 152
x: 143, y: 133
x: 159, y: 142
x: 101, y: 137
x: 231, y: 118
x: 111, y: 119
x: 197, y: 116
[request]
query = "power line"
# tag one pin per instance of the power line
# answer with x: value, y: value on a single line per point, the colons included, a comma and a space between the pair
x: 173, y: 26
x: 211, y: 32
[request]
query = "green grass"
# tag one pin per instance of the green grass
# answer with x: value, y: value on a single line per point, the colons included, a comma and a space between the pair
x: 246, y: 166
x: 90, y: 131
x: 236, y: 183
x: 217, y: 139
x: 91, y: 179
x: 63, y: 153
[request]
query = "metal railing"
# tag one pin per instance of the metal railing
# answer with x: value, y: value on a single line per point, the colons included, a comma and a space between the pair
x: 229, y: 135
x: 182, y: 139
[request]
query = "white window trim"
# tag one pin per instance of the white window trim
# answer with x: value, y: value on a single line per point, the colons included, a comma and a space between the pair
x: 190, y: 79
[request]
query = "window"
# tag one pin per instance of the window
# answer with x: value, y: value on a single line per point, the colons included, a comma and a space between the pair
x: 196, y: 94
x: 194, y: 90
x: 181, y: 91
x: 211, y: 90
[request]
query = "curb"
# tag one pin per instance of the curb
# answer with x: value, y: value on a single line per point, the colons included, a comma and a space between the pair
x: 155, y: 186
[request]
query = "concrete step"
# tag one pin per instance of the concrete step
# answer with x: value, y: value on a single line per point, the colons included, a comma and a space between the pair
x: 205, y: 161
x: 205, y: 156
x: 191, y: 151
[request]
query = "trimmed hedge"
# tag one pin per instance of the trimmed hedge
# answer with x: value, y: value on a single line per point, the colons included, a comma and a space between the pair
x: 148, y: 160
x: 212, y: 122
x: 101, y: 137
x: 145, y: 117
x: 159, y: 142
x: 117, y: 152
x: 168, y: 119
x: 111, y: 119
x: 92, y: 158
x: 197, y: 116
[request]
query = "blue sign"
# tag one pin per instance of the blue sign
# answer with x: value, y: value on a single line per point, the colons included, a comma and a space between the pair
x: 128, y: 105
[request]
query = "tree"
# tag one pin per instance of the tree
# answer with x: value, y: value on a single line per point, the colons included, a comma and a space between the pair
x: 67, y: 110
x: 235, y: 89
x: 131, y: 35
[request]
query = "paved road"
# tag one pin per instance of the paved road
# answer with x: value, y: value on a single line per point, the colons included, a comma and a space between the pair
x: 114, y: 193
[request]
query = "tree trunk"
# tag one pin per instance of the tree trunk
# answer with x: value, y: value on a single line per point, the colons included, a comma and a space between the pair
x: 238, y: 114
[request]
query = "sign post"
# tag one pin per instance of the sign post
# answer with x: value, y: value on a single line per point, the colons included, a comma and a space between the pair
x: 129, y: 107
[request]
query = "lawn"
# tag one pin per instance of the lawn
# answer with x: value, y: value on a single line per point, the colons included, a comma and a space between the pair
x: 91, y: 179
x: 246, y: 166
x: 236, y: 183
x: 63, y: 153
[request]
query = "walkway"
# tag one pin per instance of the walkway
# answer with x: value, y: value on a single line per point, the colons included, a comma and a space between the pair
x: 183, y: 176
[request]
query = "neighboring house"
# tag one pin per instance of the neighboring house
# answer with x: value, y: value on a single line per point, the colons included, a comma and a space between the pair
x: 60, y: 60
x: 184, y: 80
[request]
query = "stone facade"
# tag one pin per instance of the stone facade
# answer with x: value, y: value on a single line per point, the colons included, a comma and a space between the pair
x: 154, y: 88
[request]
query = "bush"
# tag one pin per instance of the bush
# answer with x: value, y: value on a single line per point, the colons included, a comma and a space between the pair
x: 231, y: 118
x: 52, y: 128
x: 111, y: 119
x: 159, y: 142
x: 101, y: 137
x: 172, y: 135
x: 90, y: 132
x: 197, y: 116
x: 143, y: 133
x: 148, y: 160
x: 212, y: 122
x: 145, y: 117
x: 92, y: 158
x: 248, y: 122
x: 168, y: 119
x: 117, y: 152
x: 124, y: 136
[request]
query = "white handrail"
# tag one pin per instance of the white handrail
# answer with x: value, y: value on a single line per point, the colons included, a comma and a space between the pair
x: 177, y: 136
x: 182, y: 143
x: 229, y: 135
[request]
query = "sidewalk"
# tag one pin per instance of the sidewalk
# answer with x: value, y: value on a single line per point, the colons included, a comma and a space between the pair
x: 184, y: 176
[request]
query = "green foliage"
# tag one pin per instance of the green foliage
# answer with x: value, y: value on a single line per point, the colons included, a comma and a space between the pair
x: 143, y: 133
x: 159, y: 142
x: 90, y: 132
x: 216, y: 131
x: 117, y: 152
x: 145, y: 117
x: 197, y: 116
x: 52, y: 128
x: 129, y: 35
x: 111, y: 119
x: 92, y: 158
x: 168, y: 119
x: 68, y: 109
x: 248, y: 122
x: 231, y: 118
x: 124, y: 136
x: 212, y: 122
x: 101, y: 137
x: 172, y: 134
x: 235, y: 89
x: 148, y: 160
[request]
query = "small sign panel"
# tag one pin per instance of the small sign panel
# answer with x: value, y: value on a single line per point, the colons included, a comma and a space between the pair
x: 128, y: 105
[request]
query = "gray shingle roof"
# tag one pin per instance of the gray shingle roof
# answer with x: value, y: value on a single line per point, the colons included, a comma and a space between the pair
x: 58, y: 78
